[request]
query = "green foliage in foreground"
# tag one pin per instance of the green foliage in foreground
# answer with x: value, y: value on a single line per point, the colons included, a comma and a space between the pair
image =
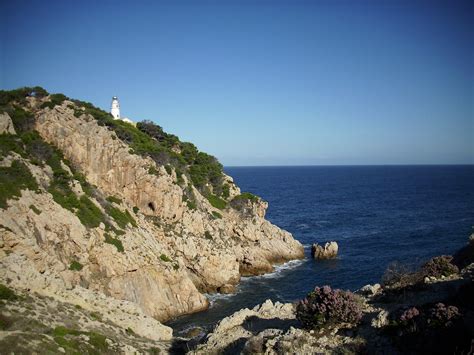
x: 13, y: 179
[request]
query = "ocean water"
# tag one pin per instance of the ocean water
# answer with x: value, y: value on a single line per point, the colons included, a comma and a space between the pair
x: 377, y: 214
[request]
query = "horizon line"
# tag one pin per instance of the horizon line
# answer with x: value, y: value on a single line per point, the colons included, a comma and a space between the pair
x: 342, y: 165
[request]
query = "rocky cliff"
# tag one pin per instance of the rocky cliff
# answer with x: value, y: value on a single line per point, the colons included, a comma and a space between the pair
x: 86, y: 220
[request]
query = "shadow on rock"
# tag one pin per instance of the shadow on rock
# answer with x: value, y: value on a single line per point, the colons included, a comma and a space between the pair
x: 255, y: 324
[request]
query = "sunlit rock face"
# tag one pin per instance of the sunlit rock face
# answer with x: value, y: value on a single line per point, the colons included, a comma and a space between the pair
x: 168, y: 260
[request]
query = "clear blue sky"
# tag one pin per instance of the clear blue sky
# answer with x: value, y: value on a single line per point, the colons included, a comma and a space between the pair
x: 263, y: 82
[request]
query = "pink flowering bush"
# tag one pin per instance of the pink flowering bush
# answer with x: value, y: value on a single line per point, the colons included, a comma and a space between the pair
x: 325, y: 306
x: 409, y: 314
x: 442, y: 315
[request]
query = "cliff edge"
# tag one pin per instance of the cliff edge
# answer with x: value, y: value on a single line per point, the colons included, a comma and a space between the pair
x: 90, y: 217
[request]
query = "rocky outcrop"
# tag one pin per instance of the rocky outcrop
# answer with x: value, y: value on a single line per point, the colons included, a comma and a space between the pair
x: 329, y: 251
x: 164, y: 264
x: 6, y: 124
x: 273, y: 328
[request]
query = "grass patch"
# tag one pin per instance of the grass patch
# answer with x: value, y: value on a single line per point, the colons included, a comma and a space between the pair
x: 191, y: 205
x: 122, y: 218
x: 76, y: 266
x: 216, y: 215
x: 54, y: 99
x: 98, y: 341
x: 152, y: 171
x: 7, y: 293
x: 114, y: 241
x: 35, y: 210
x: 10, y: 143
x: 216, y: 202
x: 113, y: 199
x: 13, y: 179
x: 165, y: 258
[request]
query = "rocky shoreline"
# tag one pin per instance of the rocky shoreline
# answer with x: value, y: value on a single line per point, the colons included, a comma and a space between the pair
x: 274, y: 328
x: 100, y: 243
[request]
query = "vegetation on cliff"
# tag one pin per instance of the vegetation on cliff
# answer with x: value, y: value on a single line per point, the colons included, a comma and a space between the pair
x: 146, y: 139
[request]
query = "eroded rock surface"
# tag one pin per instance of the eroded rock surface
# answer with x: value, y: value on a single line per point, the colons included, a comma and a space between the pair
x: 328, y: 251
x: 168, y: 260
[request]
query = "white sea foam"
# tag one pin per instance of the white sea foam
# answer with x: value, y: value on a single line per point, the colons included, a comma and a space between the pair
x: 277, y: 272
x: 213, y: 297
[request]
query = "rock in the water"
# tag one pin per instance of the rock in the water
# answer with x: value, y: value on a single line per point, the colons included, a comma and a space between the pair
x: 329, y: 251
x: 227, y: 288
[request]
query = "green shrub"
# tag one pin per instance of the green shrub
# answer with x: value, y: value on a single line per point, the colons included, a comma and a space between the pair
x: 225, y: 191
x: 35, y: 210
x: 135, y: 209
x: 89, y: 214
x: 54, y: 99
x: 114, y: 241
x: 122, y: 218
x: 98, y: 341
x: 22, y: 120
x: 7, y: 293
x: 241, y: 202
x: 165, y: 258
x: 169, y: 169
x: 13, y: 179
x: 152, y: 171
x: 216, y: 215
x: 207, y: 235
x: 11, y: 143
x: 191, y: 205
x: 113, y: 199
x: 216, y: 201
x: 75, y: 266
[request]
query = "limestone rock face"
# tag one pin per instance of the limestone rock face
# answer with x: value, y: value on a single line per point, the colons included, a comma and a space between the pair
x: 6, y: 124
x: 172, y: 256
x: 329, y: 251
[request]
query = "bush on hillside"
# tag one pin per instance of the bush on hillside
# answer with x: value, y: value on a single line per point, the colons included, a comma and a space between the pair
x: 398, y: 275
x: 325, y: 306
x: 439, y: 266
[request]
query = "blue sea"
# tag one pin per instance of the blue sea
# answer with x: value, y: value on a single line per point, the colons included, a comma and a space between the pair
x: 377, y: 214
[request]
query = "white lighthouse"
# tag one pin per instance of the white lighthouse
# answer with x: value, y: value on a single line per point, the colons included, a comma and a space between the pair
x: 115, y: 108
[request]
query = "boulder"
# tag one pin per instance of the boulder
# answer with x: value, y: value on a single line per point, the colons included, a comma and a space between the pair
x: 329, y: 251
x: 6, y: 124
x: 370, y: 290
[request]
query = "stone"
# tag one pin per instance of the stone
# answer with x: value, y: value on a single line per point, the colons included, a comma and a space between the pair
x: 226, y: 289
x: 6, y: 124
x: 329, y: 251
x: 370, y: 290
x: 381, y: 320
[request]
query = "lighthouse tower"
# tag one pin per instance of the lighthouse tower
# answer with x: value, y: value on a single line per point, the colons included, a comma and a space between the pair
x: 115, y: 108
